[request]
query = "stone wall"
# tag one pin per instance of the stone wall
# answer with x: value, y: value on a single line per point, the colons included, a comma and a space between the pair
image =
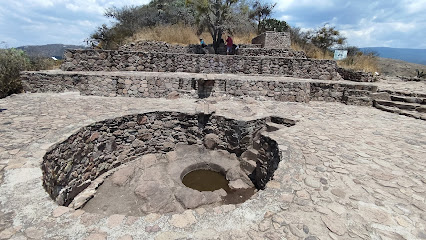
x: 243, y: 45
x: 356, y: 76
x: 259, y: 40
x: 98, y: 60
x: 160, y: 85
x: 272, y: 52
x: 70, y: 166
x: 273, y: 40
x: 154, y: 46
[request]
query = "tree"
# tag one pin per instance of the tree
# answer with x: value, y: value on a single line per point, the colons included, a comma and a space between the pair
x: 273, y: 25
x: 260, y: 12
x: 131, y: 19
x: 326, y: 37
x: 215, y: 16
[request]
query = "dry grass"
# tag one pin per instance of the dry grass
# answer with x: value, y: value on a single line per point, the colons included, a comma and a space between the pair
x: 360, y: 62
x: 312, y: 51
x: 243, y: 38
x: 176, y: 34
x: 183, y: 35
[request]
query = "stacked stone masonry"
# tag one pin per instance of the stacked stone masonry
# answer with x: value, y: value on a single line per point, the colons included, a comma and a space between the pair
x: 98, y: 60
x: 159, y: 85
x: 272, y: 52
x: 356, y: 76
x: 273, y: 40
x: 156, y: 46
x: 153, y: 46
x: 70, y: 166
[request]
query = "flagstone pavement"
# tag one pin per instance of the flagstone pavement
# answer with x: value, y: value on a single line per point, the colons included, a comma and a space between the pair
x: 352, y: 173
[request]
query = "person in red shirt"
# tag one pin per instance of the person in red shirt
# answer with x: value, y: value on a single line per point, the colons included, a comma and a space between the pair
x: 229, y: 45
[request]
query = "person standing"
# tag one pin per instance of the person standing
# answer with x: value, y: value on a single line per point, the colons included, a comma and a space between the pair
x: 229, y: 45
x: 202, y: 43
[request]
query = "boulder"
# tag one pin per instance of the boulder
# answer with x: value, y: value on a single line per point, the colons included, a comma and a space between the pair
x: 211, y: 141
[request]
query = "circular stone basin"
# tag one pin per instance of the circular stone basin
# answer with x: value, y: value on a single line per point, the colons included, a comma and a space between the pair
x: 148, y: 155
x: 206, y: 180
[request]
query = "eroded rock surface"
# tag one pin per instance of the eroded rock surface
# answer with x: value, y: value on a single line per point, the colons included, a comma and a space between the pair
x: 152, y: 183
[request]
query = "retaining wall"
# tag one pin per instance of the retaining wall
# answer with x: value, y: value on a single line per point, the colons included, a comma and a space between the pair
x: 356, y: 76
x: 99, y: 60
x: 155, y: 46
x: 272, y: 52
x: 70, y: 166
x: 158, y: 85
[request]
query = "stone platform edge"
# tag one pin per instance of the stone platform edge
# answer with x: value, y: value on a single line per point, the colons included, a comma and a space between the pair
x: 114, y: 60
x: 161, y: 85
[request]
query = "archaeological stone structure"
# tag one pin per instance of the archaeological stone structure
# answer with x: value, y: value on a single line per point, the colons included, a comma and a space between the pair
x: 304, y: 149
x: 72, y: 165
x: 273, y: 40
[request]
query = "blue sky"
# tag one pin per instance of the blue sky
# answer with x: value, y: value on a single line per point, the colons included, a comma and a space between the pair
x: 365, y: 23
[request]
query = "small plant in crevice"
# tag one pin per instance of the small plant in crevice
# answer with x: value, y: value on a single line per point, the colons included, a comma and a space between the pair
x: 420, y: 74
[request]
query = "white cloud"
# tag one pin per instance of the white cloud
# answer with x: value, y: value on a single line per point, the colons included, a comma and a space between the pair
x: 415, y: 6
x: 285, y: 18
x: 34, y: 22
x: 392, y: 23
x: 284, y: 5
x: 85, y: 7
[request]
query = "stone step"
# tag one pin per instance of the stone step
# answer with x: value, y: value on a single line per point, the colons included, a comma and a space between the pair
x: 250, y: 154
x: 256, y: 135
x: 249, y: 46
x: 403, y: 105
x: 406, y: 99
x: 248, y: 166
x: 359, y: 101
x: 404, y: 94
x: 357, y: 93
x: 271, y: 127
x: 380, y: 96
x: 413, y: 114
x: 256, y: 144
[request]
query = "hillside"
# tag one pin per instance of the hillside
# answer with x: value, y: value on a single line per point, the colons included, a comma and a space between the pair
x: 49, y: 50
x: 406, y: 54
x: 393, y: 67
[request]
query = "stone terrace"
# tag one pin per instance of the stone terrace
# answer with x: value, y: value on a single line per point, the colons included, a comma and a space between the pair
x: 112, y: 60
x: 354, y: 173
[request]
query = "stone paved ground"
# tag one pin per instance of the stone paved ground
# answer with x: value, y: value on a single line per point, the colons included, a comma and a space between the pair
x: 353, y: 173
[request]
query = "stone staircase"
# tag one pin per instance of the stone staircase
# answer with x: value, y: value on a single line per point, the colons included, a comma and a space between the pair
x: 407, y: 104
x: 255, y: 153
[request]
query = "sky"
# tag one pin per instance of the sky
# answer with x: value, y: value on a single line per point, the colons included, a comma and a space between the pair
x: 365, y: 23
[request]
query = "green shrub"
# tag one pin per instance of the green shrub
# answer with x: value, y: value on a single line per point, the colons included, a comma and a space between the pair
x: 12, y: 61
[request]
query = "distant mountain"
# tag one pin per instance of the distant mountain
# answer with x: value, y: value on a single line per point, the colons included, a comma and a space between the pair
x: 405, y: 54
x: 49, y: 50
x: 394, y: 67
